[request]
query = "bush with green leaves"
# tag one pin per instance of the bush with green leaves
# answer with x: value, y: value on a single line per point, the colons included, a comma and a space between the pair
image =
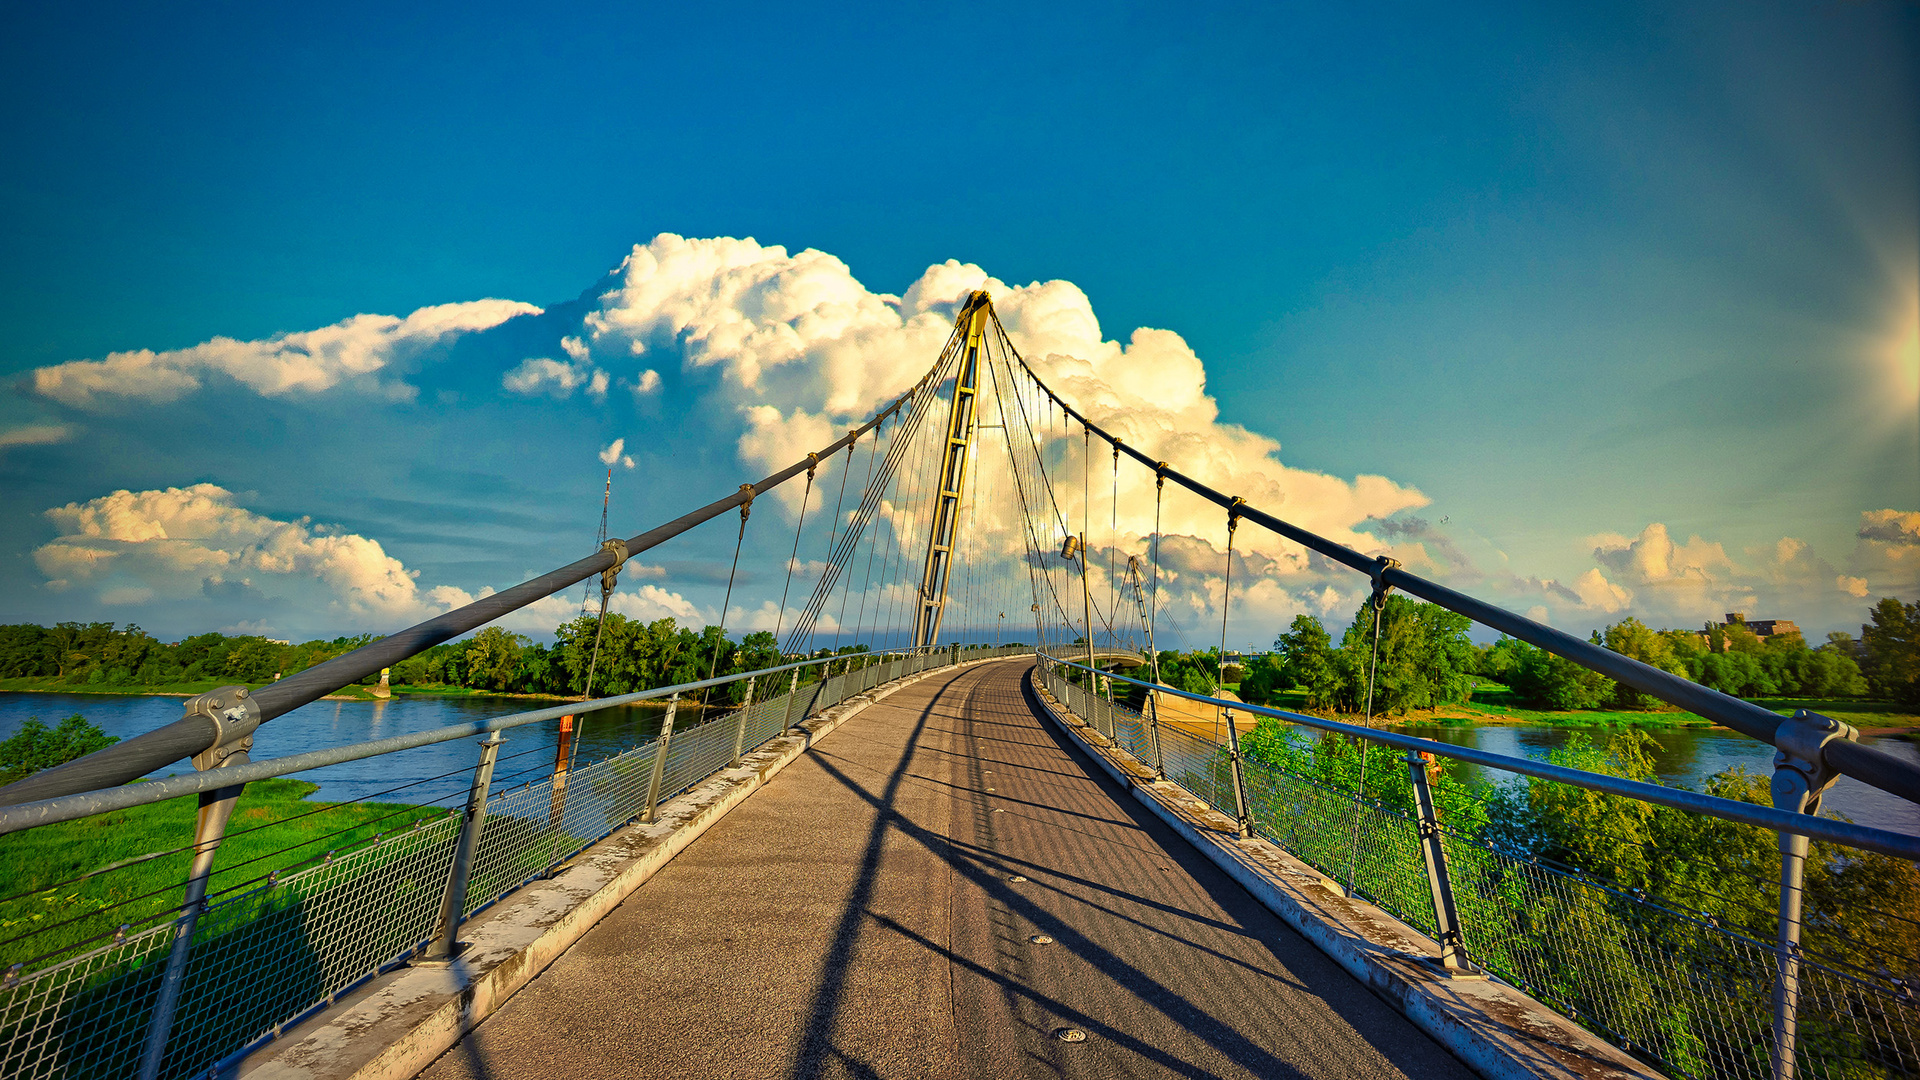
x: 36, y: 747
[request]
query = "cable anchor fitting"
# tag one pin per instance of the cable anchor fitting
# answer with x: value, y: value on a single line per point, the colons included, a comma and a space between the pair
x: 234, y: 714
x: 1380, y: 587
x: 813, y: 462
x: 1233, y: 513
x: 612, y: 573
x: 1800, y: 770
x: 746, y: 508
x: 1160, y: 475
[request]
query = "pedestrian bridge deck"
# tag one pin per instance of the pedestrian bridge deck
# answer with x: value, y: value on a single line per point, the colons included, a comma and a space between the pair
x: 858, y: 917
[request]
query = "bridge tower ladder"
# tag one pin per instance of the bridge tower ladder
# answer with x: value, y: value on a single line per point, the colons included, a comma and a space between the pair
x: 953, y: 476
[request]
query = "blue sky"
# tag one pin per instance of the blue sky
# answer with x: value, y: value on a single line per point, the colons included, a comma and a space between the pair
x: 1568, y: 274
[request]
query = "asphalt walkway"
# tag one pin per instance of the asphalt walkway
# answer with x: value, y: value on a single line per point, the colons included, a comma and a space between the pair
x: 936, y: 890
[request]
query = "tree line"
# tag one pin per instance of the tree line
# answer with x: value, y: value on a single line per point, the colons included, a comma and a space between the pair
x: 1425, y: 660
x: 632, y: 655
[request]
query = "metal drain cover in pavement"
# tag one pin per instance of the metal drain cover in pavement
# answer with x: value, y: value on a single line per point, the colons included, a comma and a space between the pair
x: 1069, y: 1034
x: 1016, y: 877
x: 1041, y: 939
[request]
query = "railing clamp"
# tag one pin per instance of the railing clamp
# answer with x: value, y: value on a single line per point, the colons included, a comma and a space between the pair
x: 813, y: 461
x: 1800, y: 770
x: 746, y: 507
x: 1160, y: 474
x: 1233, y: 512
x: 234, y: 714
x: 1380, y: 586
x: 612, y: 573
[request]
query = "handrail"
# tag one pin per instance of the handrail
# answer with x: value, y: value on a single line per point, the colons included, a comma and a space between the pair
x: 1863, y: 763
x: 1865, y: 837
x: 86, y: 804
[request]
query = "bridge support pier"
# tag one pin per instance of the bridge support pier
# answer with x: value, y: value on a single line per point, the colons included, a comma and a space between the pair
x: 455, y: 901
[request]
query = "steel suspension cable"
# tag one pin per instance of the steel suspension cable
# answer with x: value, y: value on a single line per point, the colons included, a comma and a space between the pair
x: 805, y: 498
x: 719, y: 641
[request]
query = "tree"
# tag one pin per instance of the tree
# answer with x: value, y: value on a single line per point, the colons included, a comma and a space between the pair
x: 1306, y: 653
x: 493, y: 657
x: 34, y: 747
x: 1892, y: 640
x: 1424, y: 661
x: 1548, y: 681
x: 1631, y: 637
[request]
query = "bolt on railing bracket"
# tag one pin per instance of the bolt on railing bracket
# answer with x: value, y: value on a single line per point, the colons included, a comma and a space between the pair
x: 234, y: 714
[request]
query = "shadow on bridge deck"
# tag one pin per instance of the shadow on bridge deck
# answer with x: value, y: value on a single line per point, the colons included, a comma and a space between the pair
x: 859, y: 917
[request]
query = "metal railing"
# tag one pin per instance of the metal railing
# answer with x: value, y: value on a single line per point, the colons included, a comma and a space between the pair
x: 204, y: 982
x: 1660, y: 978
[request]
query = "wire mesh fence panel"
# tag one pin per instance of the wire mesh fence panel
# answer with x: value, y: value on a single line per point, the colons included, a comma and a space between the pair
x: 1199, y: 765
x: 86, y: 1016
x: 696, y: 754
x: 1676, y: 989
x: 600, y: 798
x: 258, y: 957
x: 766, y: 720
x: 1130, y: 734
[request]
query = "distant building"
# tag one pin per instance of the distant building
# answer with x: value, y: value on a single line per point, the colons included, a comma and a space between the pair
x: 1760, y: 628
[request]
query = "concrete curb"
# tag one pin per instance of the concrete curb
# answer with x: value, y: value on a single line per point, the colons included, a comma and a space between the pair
x: 1493, y: 1028
x: 398, y: 1023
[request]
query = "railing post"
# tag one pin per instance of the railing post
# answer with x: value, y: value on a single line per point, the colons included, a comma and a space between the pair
x: 227, y: 705
x: 1800, y: 776
x: 562, y: 752
x: 660, y: 759
x: 454, y: 903
x: 1153, y: 735
x: 1446, y: 916
x: 1239, y: 781
x: 793, y: 691
x: 740, y: 729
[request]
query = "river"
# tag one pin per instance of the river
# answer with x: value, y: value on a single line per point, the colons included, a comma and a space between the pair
x: 440, y: 773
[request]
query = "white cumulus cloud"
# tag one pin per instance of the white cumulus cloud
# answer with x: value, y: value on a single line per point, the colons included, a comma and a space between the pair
x: 541, y: 375
x: 352, y: 351
x: 139, y: 547
x: 615, y: 453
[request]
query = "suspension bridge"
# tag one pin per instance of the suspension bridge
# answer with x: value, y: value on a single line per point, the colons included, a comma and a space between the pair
x: 916, y: 847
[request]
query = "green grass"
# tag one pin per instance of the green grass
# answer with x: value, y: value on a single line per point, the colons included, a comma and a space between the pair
x: 273, y: 828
